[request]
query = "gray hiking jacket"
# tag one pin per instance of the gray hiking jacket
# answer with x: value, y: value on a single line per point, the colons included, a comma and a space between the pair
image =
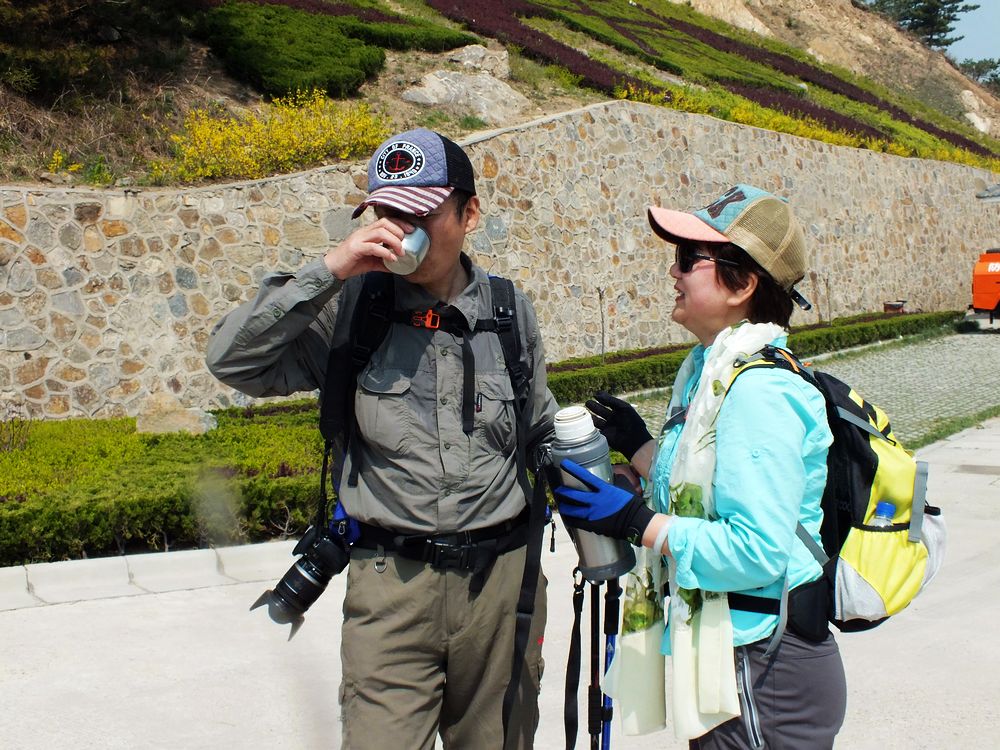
x: 419, y: 471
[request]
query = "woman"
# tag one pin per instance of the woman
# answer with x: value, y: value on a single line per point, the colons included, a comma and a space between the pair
x: 740, y: 464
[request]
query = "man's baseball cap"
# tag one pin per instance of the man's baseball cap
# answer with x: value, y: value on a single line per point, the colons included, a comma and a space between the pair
x: 414, y: 172
x: 756, y: 221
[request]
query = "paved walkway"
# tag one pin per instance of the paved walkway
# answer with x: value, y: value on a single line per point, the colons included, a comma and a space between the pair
x: 923, y: 384
x: 159, y: 651
x: 918, y: 386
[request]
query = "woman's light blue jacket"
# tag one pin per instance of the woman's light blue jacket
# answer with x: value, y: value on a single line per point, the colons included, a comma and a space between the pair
x: 771, y: 447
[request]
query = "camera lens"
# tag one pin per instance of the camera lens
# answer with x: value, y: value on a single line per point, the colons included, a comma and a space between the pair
x: 308, y: 577
x: 299, y: 588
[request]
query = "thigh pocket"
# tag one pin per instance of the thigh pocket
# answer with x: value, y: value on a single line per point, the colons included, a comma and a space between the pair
x: 383, y: 409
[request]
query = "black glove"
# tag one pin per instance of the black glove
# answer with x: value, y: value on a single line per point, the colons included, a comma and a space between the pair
x: 602, y: 508
x: 620, y: 423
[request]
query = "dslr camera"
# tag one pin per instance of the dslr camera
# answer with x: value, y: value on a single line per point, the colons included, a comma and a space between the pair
x: 324, y: 553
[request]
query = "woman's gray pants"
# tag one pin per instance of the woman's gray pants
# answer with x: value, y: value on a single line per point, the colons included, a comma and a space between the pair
x: 793, y: 700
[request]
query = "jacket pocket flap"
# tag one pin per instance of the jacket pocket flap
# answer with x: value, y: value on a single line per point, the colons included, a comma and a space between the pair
x: 385, y: 382
x: 496, y: 386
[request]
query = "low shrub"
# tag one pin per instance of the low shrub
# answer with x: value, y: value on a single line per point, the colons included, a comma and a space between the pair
x: 291, y: 133
x: 638, y: 372
x: 278, y: 48
x: 85, y: 488
x: 808, y: 343
x: 51, y: 50
x: 655, y: 371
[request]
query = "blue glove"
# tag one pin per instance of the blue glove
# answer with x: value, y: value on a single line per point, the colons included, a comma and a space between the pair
x: 602, y: 508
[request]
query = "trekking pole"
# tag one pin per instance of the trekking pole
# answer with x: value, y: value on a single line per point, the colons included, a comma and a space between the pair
x: 612, y: 600
x: 594, y: 702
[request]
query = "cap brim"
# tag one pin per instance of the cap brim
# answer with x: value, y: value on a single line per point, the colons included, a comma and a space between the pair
x: 418, y: 201
x: 678, y: 225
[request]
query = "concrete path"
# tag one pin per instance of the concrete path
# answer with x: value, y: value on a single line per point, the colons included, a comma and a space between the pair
x: 159, y: 651
x: 920, y: 385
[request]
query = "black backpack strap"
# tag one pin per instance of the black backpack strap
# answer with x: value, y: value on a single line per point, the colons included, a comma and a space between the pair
x: 508, y: 330
x: 370, y: 322
x: 773, y: 356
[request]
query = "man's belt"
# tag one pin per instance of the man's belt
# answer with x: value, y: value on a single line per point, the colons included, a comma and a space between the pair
x: 458, y: 550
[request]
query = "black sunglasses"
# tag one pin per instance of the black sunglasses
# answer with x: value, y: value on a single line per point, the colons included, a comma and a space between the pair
x: 686, y: 255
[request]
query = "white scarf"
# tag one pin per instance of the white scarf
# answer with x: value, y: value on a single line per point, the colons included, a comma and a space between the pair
x: 701, y: 632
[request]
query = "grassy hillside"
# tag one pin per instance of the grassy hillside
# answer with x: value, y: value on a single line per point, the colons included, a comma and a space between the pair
x: 105, y: 93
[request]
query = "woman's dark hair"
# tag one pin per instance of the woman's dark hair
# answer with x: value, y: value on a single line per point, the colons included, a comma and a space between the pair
x: 769, y: 303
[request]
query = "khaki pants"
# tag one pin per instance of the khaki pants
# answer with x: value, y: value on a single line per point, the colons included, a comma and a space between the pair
x: 422, y: 656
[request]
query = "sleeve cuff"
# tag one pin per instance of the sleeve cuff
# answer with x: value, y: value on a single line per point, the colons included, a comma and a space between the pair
x: 682, y: 550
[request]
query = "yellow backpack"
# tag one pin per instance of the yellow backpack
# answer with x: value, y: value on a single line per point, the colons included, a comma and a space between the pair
x: 872, y: 570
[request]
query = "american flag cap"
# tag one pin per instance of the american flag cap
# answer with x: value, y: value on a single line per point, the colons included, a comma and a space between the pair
x: 415, y: 172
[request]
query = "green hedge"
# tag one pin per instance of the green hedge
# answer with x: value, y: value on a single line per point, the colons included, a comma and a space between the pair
x: 577, y: 386
x: 658, y: 371
x: 281, y: 50
x: 86, y: 488
x: 809, y: 343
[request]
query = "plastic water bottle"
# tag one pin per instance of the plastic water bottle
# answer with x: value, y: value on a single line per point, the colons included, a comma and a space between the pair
x: 884, y: 512
x: 601, y: 557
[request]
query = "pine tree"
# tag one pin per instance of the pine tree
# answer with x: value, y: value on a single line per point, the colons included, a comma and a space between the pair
x: 985, y: 71
x: 931, y: 20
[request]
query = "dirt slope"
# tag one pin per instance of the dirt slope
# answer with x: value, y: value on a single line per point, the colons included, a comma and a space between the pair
x: 837, y: 32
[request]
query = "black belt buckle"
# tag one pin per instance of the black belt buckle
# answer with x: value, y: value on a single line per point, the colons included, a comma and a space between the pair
x: 443, y: 555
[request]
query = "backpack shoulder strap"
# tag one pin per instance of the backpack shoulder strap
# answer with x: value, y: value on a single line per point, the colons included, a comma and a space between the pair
x: 773, y: 356
x: 370, y: 322
x: 372, y: 317
x: 508, y: 330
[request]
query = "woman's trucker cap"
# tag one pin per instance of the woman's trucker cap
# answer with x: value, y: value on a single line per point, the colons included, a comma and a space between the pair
x: 760, y: 223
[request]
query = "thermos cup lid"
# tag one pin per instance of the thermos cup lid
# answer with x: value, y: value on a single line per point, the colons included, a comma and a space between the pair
x: 415, y: 246
x: 573, y: 423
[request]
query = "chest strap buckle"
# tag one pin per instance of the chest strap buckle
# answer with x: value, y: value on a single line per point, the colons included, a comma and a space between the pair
x: 427, y: 319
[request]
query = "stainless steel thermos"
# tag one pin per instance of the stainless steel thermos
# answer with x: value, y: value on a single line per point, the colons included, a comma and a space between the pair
x: 601, y: 557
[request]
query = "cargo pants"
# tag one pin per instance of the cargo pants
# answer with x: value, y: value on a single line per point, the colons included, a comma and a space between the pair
x: 422, y: 656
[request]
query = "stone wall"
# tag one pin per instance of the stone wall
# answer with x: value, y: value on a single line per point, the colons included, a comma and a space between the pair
x: 109, y: 296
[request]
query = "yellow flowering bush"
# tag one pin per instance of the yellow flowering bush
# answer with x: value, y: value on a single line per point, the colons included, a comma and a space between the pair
x: 293, y: 132
x: 57, y: 161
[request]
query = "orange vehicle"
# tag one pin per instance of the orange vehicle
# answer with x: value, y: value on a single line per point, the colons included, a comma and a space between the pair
x: 986, y: 284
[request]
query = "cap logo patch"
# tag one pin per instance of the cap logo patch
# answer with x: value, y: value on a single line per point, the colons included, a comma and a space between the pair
x: 715, y: 210
x: 400, y: 161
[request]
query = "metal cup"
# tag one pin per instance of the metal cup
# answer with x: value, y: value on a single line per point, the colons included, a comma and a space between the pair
x: 415, y: 246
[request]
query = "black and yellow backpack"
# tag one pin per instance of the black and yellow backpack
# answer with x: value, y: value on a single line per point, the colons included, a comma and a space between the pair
x: 870, y: 572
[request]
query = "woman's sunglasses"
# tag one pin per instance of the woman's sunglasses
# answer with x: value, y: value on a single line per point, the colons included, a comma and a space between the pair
x: 686, y: 255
